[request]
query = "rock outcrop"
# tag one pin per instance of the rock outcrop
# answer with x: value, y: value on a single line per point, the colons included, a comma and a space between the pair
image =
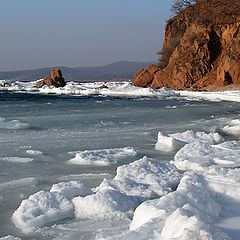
x: 201, y: 49
x: 55, y: 79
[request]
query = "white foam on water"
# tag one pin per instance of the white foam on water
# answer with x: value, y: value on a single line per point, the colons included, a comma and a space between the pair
x: 233, y: 129
x: 17, y: 159
x: 103, y: 157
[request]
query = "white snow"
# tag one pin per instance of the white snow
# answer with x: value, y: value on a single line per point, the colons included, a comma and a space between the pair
x: 188, y: 213
x: 103, y: 157
x: 143, y: 179
x: 199, y: 155
x: 233, y: 128
x: 71, y: 189
x: 42, y: 208
x: 177, y: 140
x: 10, y: 237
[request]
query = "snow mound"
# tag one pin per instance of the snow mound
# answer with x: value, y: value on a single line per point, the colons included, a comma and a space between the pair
x: 177, y: 140
x: 103, y: 157
x: 71, y: 189
x: 190, y: 210
x: 138, y: 181
x: 42, y: 208
x: 200, y: 155
x: 104, y: 204
x: 145, y: 178
x: 13, y: 124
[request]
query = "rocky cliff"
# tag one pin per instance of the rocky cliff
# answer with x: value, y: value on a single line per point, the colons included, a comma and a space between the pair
x: 201, y: 49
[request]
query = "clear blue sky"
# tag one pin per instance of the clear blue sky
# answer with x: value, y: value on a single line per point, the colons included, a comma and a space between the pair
x: 40, y: 33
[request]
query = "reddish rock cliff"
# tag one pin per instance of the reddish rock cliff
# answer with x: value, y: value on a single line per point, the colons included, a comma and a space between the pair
x: 201, y: 49
x: 55, y: 79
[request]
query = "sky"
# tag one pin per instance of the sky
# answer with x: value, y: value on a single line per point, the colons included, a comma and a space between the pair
x: 47, y: 33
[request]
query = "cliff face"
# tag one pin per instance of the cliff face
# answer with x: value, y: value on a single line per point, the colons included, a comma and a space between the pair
x: 201, y: 49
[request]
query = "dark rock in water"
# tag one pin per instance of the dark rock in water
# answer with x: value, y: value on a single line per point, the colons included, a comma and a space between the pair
x: 55, y: 79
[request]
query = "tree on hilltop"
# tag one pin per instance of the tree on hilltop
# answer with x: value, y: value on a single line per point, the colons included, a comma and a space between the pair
x: 179, y: 5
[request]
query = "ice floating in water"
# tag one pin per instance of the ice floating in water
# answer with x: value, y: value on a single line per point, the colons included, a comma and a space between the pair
x: 42, y: 208
x: 199, y: 155
x: 22, y: 182
x: 9, y: 237
x: 178, y: 140
x: 71, y: 189
x: 13, y: 124
x: 233, y: 128
x: 34, y: 152
x: 103, y: 157
x: 17, y: 159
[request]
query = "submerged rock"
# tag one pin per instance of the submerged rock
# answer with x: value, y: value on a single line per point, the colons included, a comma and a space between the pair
x: 55, y: 79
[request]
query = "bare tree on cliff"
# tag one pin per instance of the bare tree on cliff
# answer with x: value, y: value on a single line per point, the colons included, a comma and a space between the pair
x: 179, y: 5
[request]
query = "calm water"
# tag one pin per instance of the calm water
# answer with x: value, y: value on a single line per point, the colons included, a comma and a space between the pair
x: 59, y: 125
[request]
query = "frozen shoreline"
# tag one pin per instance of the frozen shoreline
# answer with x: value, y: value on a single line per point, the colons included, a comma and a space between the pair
x: 198, y: 192
x: 118, y: 89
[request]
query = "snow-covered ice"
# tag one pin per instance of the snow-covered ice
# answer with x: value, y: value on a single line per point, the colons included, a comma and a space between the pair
x: 102, y: 157
x: 71, y: 189
x: 177, y: 140
x: 201, y: 154
x: 42, y: 208
x: 10, y: 237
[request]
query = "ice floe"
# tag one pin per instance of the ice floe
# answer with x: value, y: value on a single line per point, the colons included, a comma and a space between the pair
x: 71, y: 189
x: 10, y: 237
x: 21, y: 182
x: 34, y: 152
x: 177, y: 140
x: 187, y: 213
x: 17, y: 159
x: 103, y: 157
x: 13, y: 124
x: 42, y: 208
x: 143, y: 179
x: 197, y: 156
x: 233, y: 128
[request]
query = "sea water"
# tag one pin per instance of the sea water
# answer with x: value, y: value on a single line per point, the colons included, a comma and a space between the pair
x: 39, y: 134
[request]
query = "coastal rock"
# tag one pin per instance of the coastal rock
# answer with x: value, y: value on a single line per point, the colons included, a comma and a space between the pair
x: 55, y: 79
x: 144, y: 77
x: 201, y: 49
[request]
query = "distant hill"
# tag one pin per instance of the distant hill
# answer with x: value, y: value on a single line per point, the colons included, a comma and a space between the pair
x: 116, y: 71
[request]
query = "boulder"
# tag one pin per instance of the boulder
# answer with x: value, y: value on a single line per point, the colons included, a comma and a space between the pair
x: 55, y: 79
